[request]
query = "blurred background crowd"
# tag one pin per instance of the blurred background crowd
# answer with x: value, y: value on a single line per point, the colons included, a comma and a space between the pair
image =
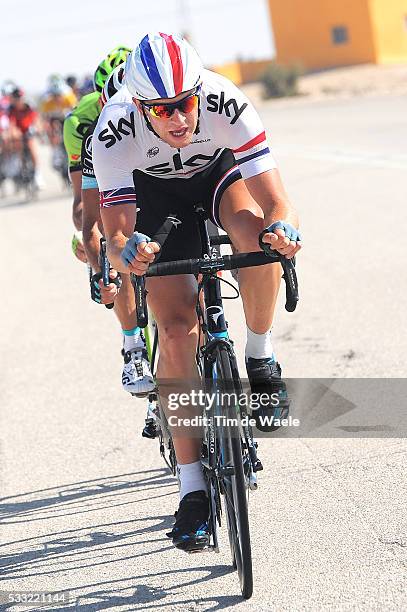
x: 26, y: 120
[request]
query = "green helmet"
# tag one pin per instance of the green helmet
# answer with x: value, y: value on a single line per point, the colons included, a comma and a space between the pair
x: 114, y: 58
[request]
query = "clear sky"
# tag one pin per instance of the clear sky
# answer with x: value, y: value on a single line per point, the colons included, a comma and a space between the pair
x: 39, y: 37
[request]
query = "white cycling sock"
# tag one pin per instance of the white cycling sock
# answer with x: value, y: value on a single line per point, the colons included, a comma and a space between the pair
x: 191, y: 478
x: 259, y: 346
x: 132, y: 339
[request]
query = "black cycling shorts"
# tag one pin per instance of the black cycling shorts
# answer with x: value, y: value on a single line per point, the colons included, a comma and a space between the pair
x: 158, y: 198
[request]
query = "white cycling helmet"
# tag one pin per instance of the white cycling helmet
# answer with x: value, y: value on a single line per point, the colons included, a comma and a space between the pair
x: 162, y: 66
x: 113, y: 84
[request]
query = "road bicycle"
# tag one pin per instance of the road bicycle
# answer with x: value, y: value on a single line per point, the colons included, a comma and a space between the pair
x: 17, y: 165
x: 229, y: 453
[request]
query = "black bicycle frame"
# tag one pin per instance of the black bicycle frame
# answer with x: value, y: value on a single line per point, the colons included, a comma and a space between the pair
x: 215, y: 327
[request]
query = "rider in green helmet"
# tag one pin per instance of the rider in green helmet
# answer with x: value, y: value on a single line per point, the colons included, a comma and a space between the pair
x: 76, y: 125
x: 78, y: 129
x: 114, y: 59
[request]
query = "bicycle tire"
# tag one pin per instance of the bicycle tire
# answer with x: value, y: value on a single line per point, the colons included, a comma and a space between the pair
x: 234, y: 486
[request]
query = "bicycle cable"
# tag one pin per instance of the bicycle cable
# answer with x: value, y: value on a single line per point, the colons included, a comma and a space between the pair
x: 199, y: 311
x: 228, y: 297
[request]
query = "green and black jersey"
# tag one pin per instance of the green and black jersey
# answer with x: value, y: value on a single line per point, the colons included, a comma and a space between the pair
x: 88, y: 173
x: 77, y: 124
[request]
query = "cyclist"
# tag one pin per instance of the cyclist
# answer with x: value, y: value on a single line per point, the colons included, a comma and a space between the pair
x: 4, y: 105
x: 23, y: 117
x: 58, y: 100
x: 136, y: 375
x: 4, y: 135
x: 86, y: 85
x: 77, y: 123
x: 72, y: 82
x: 176, y: 134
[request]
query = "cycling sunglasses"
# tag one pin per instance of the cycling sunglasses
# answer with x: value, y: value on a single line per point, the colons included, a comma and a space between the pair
x: 164, y: 111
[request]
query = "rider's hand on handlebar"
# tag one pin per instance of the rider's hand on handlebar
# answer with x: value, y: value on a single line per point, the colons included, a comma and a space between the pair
x: 139, y: 253
x: 145, y: 256
x: 283, y: 238
x: 101, y: 294
x: 109, y: 293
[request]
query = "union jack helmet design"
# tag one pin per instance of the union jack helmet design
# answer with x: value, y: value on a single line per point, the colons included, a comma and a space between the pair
x: 162, y: 66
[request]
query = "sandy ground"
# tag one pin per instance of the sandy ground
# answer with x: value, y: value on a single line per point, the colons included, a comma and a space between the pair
x: 350, y: 81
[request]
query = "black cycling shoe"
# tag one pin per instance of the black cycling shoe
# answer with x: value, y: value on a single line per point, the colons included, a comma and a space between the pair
x: 191, y: 531
x: 265, y: 378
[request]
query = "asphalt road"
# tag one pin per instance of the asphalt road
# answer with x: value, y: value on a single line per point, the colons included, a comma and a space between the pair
x: 85, y: 501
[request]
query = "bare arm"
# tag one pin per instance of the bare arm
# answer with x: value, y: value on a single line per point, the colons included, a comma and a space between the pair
x: 268, y: 191
x: 92, y: 226
x: 76, y: 178
x: 118, y: 222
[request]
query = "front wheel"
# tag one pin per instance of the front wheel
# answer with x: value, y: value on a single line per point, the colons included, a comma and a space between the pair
x: 233, y: 480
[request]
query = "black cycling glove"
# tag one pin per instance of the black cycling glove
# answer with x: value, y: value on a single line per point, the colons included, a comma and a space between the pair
x: 95, y: 289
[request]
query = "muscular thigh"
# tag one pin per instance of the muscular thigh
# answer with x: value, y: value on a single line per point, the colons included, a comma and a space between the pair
x: 241, y: 217
x: 172, y: 300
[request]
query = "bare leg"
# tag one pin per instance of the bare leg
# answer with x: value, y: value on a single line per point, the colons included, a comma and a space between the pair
x: 172, y: 301
x: 243, y: 220
x: 124, y: 304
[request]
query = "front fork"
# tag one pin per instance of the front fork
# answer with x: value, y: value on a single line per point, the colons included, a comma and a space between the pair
x: 216, y: 330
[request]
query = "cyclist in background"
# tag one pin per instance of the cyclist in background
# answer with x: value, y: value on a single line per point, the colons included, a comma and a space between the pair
x: 78, y: 122
x: 4, y: 106
x: 86, y: 85
x: 78, y: 129
x: 23, y: 118
x: 4, y: 133
x: 72, y: 82
x: 174, y: 135
x: 58, y: 100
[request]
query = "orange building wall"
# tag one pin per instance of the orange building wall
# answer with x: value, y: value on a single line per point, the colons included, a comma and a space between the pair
x: 302, y: 32
x: 242, y: 72
x: 230, y: 71
x: 389, y: 30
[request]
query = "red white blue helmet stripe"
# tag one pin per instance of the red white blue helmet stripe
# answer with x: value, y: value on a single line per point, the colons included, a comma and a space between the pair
x: 152, y: 71
x: 162, y: 66
x: 150, y: 66
x: 174, y: 51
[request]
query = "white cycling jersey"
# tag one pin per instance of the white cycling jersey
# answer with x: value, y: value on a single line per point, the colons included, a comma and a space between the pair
x: 123, y: 143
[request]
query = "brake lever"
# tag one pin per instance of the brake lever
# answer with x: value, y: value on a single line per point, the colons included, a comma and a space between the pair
x: 289, y: 274
x: 105, y: 267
